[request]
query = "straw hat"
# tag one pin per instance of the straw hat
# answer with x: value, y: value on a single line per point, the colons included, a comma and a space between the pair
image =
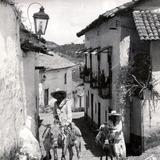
x: 58, y: 93
x: 114, y: 113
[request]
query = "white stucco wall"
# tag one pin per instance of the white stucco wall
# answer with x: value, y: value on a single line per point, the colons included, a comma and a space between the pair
x: 31, y: 92
x: 16, y: 78
x: 123, y: 40
x: 55, y: 79
x: 151, y: 107
x: 102, y: 37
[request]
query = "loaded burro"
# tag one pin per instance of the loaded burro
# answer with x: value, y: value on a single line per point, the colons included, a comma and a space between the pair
x: 62, y: 132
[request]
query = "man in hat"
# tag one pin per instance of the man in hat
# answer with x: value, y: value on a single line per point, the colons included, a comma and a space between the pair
x: 62, y: 107
x: 115, y: 120
x: 62, y: 110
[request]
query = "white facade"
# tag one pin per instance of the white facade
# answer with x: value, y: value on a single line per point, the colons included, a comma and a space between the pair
x: 17, y: 83
x: 140, y: 115
x: 102, y: 36
x: 60, y: 78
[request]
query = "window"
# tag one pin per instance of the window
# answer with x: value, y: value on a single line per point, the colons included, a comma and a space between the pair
x: 106, y: 116
x: 46, y: 96
x: 86, y: 59
x: 99, y: 113
x: 105, y: 73
x: 80, y: 101
x: 114, y: 25
x: 95, y: 108
x: 65, y: 78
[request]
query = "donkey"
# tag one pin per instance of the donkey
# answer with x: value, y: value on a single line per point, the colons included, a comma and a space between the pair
x: 50, y: 139
x: 71, y: 140
x: 63, y: 136
x: 102, y: 138
x: 112, y: 142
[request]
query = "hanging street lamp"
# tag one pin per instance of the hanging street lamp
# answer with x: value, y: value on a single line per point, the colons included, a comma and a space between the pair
x: 40, y: 22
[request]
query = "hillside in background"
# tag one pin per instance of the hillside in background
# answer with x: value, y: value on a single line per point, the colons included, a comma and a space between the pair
x: 69, y: 51
x: 51, y: 45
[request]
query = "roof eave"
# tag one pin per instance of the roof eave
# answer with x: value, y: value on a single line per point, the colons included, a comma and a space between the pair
x: 96, y: 22
x: 49, y: 69
x: 102, y: 18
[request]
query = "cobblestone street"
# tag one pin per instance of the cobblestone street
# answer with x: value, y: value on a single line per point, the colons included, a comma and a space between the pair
x: 89, y: 149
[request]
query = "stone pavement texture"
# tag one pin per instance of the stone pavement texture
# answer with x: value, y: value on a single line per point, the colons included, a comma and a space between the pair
x: 90, y: 151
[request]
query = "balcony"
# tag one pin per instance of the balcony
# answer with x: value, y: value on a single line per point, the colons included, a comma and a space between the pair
x: 85, y: 74
x: 94, y: 80
x: 104, y: 87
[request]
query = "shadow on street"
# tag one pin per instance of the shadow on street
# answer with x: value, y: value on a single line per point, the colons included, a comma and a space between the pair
x: 88, y: 136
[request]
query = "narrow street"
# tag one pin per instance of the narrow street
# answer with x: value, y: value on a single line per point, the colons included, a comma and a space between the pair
x: 90, y: 151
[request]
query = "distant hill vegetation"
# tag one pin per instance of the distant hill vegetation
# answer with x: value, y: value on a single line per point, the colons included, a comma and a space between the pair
x: 70, y: 51
x: 51, y: 45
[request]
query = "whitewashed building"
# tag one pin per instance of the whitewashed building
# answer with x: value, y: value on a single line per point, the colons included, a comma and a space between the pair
x: 18, y: 87
x: 122, y: 70
x: 57, y: 73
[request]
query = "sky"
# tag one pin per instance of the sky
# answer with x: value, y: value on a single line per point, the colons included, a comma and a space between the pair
x: 67, y: 17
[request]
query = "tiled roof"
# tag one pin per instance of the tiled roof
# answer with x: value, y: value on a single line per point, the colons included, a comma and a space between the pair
x: 108, y: 14
x: 53, y: 62
x: 148, y: 24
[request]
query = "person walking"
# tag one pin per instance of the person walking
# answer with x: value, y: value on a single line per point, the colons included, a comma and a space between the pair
x: 115, y: 120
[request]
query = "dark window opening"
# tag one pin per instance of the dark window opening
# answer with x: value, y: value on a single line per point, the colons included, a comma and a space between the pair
x: 65, y: 78
x: 92, y: 100
x: 99, y: 114
x: 106, y: 118
x: 46, y: 96
x: 95, y: 108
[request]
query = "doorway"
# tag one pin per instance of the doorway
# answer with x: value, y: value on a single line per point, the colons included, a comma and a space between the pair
x: 92, y: 100
x: 46, y: 96
x: 99, y: 114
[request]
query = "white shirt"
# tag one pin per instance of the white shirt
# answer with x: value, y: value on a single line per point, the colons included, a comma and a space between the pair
x: 64, y: 111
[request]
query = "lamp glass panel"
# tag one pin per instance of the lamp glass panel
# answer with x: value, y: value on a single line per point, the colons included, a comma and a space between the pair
x: 41, y: 26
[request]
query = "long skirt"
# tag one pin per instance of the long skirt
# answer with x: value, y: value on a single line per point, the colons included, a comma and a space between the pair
x: 120, y: 149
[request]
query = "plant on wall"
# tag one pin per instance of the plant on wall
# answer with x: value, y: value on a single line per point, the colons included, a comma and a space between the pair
x: 140, y: 77
x: 135, y: 80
